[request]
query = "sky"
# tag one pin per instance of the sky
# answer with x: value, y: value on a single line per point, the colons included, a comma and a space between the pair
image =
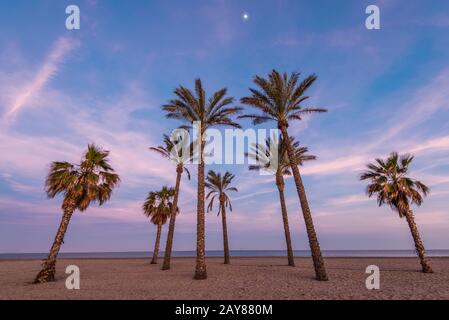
x: 386, y: 90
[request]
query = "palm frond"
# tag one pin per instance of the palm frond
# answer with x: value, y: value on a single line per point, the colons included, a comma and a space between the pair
x: 218, y: 186
x: 93, y: 180
x: 278, y: 97
x: 390, y: 183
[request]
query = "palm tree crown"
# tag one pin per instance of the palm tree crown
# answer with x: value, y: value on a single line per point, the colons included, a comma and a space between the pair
x: 175, y: 151
x: 158, y: 205
x: 389, y: 180
x: 219, y: 186
x: 280, y: 98
x: 263, y: 154
x: 190, y: 107
x: 91, y: 181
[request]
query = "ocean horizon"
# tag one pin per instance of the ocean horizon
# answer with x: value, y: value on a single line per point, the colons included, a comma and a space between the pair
x: 219, y: 253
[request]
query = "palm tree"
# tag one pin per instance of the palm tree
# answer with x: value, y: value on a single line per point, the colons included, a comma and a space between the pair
x: 280, y: 99
x: 192, y: 107
x: 158, y: 206
x: 219, y: 186
x: 279, y: 165
x: 392, y: 185
x: 81, y: 184
x: 173, y: 151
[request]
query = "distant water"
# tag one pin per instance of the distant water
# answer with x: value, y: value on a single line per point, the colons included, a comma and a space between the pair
x: 237, y: 253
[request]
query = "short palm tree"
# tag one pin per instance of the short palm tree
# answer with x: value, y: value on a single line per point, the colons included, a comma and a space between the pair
x: 279, y: 165
x: 219, y: 187
x: 389, y: 180
x: 279, y: 98
x: 158, y: 206
x: 173, y: 151
x: 81, y: 184
x: 192, y: 107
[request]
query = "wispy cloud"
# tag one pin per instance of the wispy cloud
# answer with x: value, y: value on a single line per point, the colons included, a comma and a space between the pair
x: 49, y: 69
x: 429, y: 99
x: 340, y: 164
x: 435, y: 144
x: 425, y: 103
x: 18, y: 186
x: 348, y: 200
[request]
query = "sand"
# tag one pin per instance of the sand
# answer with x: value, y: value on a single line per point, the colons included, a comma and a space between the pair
x: 245, y: 278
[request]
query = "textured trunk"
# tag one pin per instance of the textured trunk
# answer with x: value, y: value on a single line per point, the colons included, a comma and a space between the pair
x: 281, y: 185
x: 318, y: 262
x: 200, y: 269
x: 418, y: 242
x: 48, y: 268
x: 156, y: 244
x: 225, y: 232
x: 171, y: 227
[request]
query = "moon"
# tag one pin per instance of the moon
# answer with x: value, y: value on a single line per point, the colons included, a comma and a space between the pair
x: 245, y: 16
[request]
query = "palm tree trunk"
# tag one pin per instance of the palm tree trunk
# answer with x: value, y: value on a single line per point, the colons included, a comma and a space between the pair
x: 49, y: 266
x: 418, y: 242
x: 200, y: 269
x: 281, y: 185
x: 225, y: 233
x: 156, y: 244
x: 318, y: 262
x: 171, y: 227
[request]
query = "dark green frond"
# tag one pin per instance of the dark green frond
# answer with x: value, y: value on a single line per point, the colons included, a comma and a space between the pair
x: 263, y: 154
x: 93, y: 180
x: 158, y: 205
x: 189, y: 107
x: 218, y: 186
x: 279, y: 97
x: 390, y: 183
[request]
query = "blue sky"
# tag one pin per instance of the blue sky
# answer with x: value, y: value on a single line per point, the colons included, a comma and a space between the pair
x: 385, y: 90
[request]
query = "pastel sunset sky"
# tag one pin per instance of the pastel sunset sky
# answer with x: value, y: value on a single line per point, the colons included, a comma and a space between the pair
x: 386, y: 90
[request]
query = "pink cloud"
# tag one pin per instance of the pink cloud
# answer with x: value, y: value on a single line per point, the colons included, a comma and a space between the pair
x: 49, y: 69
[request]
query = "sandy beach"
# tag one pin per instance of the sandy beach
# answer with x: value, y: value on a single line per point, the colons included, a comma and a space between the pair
x: 245, y: 278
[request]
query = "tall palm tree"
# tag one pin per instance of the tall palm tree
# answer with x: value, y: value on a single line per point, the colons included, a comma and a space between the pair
x: 81, y: 184
x: 173, y: 151
x: 219, y: 187
x: 389, y: 180
x: 192, y: 107
x: 279, y: 165
x: 279, y: 98
x: 158, y: 206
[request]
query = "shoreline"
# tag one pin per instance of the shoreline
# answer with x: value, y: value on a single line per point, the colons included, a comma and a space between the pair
x: 217, y: 257
x: 375, y: 253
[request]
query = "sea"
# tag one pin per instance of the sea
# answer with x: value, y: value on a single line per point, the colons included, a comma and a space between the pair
x: 219, y: 253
